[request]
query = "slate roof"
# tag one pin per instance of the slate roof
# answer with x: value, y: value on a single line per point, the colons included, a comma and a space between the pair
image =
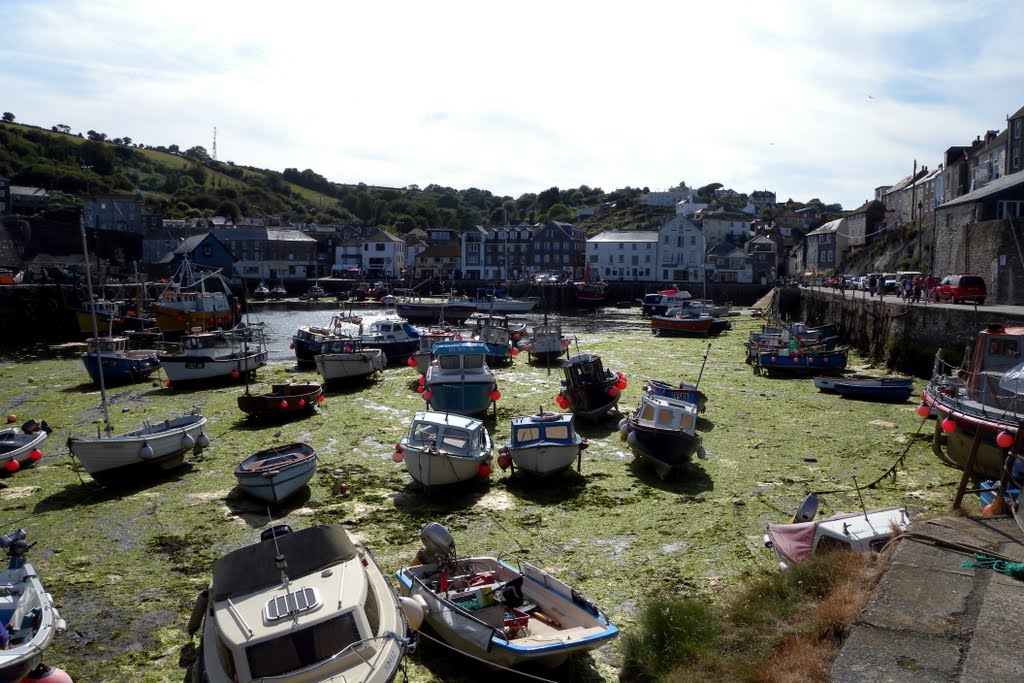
x: 625, y: 236
x: 831, y: 226
x: 261, y: 235
x: 998, y: 185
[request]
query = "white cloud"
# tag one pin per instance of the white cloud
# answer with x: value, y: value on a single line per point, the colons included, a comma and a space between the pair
x: 809, y: 99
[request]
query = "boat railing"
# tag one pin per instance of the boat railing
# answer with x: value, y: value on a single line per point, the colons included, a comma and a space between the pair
x: 977, y: 393
x: 352, y: 648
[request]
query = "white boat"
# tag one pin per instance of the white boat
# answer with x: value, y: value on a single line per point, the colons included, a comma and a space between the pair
x: 30, y: 619
x: 546, y: 342
x: 208, y: 356
x: 444, y: 448
x: 865, y: 531
x: 22, y: 446
x: 503, y: 305
x: 301, y: 606
x: 347, y: 360
x: 543, y: 444
x: 421, y: 359
x: 262, y: 292
x: 158, y: 446
x: 504, y: 615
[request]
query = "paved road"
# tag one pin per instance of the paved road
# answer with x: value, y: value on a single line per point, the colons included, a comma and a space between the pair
x: 993, y: 309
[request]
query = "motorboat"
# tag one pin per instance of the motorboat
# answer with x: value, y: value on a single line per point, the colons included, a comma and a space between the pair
x: 454, y: 310
x: 683, y: 391
x: 497, y: 302
x: 866, y: 531
x: 589, y: 389
x: 444, y: 448
x: 315, y: 293
x: 308, y: 340
x: 680, y: 325
x: 118, y: 363
x: 298, y: 607
x: 503, y: 614
x: 30, y: 620
x: 22, y: 446
x: 275, y: 474
x: 343, y: 361
x: 424, y: 355
x: 394, y: 336
x: 658, y: 303
x: 282, y: 401
x: 662, y: 431
x: 543, y: 444
x: 501, y: 336
x: 803, y: 361
x: 546, y: 342
x: 155, y: 446
x: 591, y: 293
x: 211, y: 356
x: 187, y: 302
x: 459, y: 380
x: 262, y: 292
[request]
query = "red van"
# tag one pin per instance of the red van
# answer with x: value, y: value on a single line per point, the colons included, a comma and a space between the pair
x: 957, y: 288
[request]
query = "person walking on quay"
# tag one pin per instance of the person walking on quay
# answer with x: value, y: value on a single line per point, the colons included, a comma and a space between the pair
x: 907, y: 285
x: 929, y: 287
x: 917, y: 286
x: 872, y: 283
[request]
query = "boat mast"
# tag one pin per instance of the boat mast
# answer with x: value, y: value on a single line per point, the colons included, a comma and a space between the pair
x: 701, y: 373
x: 95, y: 326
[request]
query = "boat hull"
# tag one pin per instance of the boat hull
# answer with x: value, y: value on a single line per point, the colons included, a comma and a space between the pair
x: 277, y: 474
x: 120, y: 368
x: 182, y: 369
x: 663, y: 450
x: 172, y: 320
x: 875, y: 392
x: 121, y: 456
x: 803, y: 363
x: 545, y: 460
x: 954, y: 447
x: 682, y: 392
x: 284, y: 400
x: 464, y: 398
x: 16, y: 445
x: 19, y: 659
x: 440, y: 469
x: 434, y: 312
x: 394, y: 351
x: 681, y: 327
x: 338, y: 368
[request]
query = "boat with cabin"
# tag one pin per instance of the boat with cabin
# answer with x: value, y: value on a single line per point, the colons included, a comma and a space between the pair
x: 299, y: 607
x: 276, y: 474
x: 262, y: 292
x: 675, y: 323
x: 444, y: 448
x: 658, y: 303
x: 394, y: 336
x: 543, y: 444
x: 118, y: 363
x: 589, y: 389
x: 459, y: 380
x: 502, y: 614
x: 308, y: 340
x: 213, y: 356
x: 546, y: 342
x: 428, y: 338
x: 591, y: 293
x: 683, y: 391
x: 194, y: 300
x: 663, y: 432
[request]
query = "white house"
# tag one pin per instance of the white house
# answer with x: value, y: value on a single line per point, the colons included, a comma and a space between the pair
x: 680, y: 250
x: 624, y: 255
x: 383, y: 255
x: 689, y: 206
x: 474, y: 250
x: 669, y: 198
x: 348, y: 254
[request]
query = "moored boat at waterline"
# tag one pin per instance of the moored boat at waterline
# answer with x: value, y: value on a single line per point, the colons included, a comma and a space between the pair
x: 504, y: 615
x: 589, y: 390
x: 453, y: 310
x: 275, y: 474
x: 802, y: 362
x: 499, y: 303
x: 346, y: 361
x: 444, y: 448
x: 981, y: 400
x: 681, y: 325
x: 658, y: 303
x: 299, y: 607
x: 459, y: 380
x: 282, y: 401
x: 118, y: 363
x: 31, y: 621
x: 543, y: 444
x: 591, y: 293
x: 308, y: 340
x: 662, y: 431
x: 157, y: 446
x: 22, y: 446
x: 261, y: 293
x: 394, y: 336
x: 186, y: 303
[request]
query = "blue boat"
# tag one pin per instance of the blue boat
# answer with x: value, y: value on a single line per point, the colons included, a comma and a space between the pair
x: 458, y: 380
x: 117, y: 362
x: 990, y: 487
x: 801, y: 362
x: 684, y: 391
x: 662, y: 431
x: 395, y: 337
x: 276, y: 474
x: 880, y: 389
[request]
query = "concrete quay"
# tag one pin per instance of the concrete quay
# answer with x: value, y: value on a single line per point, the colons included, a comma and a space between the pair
x: 929, y: 620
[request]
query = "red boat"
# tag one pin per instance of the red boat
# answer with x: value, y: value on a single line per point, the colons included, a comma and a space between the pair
x: 678, y: 326
x: 591, y: 293
x: 283, y: 400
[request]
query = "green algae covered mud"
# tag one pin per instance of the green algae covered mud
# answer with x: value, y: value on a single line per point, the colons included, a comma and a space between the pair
x: 125, y: 565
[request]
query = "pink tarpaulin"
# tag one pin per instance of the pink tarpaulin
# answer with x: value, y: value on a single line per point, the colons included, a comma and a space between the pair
x: 793, y: 542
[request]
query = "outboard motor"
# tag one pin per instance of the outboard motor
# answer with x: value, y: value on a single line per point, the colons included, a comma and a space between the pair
x: 438, y: 544
x: 16, y: 546
x: 512, y: 593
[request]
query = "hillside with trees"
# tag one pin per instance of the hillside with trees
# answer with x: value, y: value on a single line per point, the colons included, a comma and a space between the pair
x: 189, y: 183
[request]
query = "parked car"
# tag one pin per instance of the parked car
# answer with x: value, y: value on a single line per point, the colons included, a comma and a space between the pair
x: 957, y: 288
x: 832, y: 281
x: 891, y: 283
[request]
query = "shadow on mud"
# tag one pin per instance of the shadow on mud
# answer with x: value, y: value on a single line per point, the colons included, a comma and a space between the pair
x: 258, y: 514
x: 88, y: 491
x: 689, y: 479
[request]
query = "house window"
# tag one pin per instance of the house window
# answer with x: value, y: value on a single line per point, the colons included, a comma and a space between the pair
x: 1016, y: 129
x: 1015, y: 158
x: 379, y: 246
x: 207, y: 251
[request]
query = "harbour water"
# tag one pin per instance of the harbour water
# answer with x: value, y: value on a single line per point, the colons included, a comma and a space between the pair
x: 125, y: 565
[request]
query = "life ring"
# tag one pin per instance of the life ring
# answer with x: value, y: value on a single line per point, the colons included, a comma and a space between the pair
x: 544, y: 416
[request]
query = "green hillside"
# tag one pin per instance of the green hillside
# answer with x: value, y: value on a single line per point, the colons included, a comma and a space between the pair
x: 190, y: 184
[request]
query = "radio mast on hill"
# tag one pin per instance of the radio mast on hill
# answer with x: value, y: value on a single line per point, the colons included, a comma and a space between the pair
x: 215, y: 143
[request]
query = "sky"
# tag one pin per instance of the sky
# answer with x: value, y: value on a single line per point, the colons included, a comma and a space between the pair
x: 811, y: 99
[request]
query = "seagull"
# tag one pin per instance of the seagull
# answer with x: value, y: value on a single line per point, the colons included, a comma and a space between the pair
x: 871, y: 97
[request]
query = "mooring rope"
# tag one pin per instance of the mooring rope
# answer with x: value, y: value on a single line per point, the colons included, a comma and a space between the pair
x: 482, y: 660
x: 889, y: 472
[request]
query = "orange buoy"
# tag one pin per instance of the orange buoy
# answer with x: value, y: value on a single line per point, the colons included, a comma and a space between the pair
x: 48, y: 674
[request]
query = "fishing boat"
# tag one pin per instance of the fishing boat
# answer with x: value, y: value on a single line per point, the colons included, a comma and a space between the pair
x: 459, y: 380
x: 866, y: 531
x: 683, y: 391
x: 298, y: 607
x: 117, y: 362
x: 591, y: 293
x: 801, y: 362
x: 344, y: 361
x: 395, y: 337
x: 21, y: 446
x: 502, y: 614
x: 29, y: 617
x: 452, y: 310
x: 662, y: 431
x: 212, y: 356
x: 500, y: 334
x: 154, y: 447
x: 444, y: 448
x: 424, y: 355
x: 980, y: 403
x: 275, y: 474
x: 589, y: 390
x: 116, y: 315
x: 680, y: 325
x: 262, y: 292
x: 786, y: 337
x: 187, y: 302
x: 282, y: 401
x: 543, y: 444
x: 498, y: 301
x: 658, y: 303
x: 895, y: 389
x: 546, y: 342
x: 308, y: 340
